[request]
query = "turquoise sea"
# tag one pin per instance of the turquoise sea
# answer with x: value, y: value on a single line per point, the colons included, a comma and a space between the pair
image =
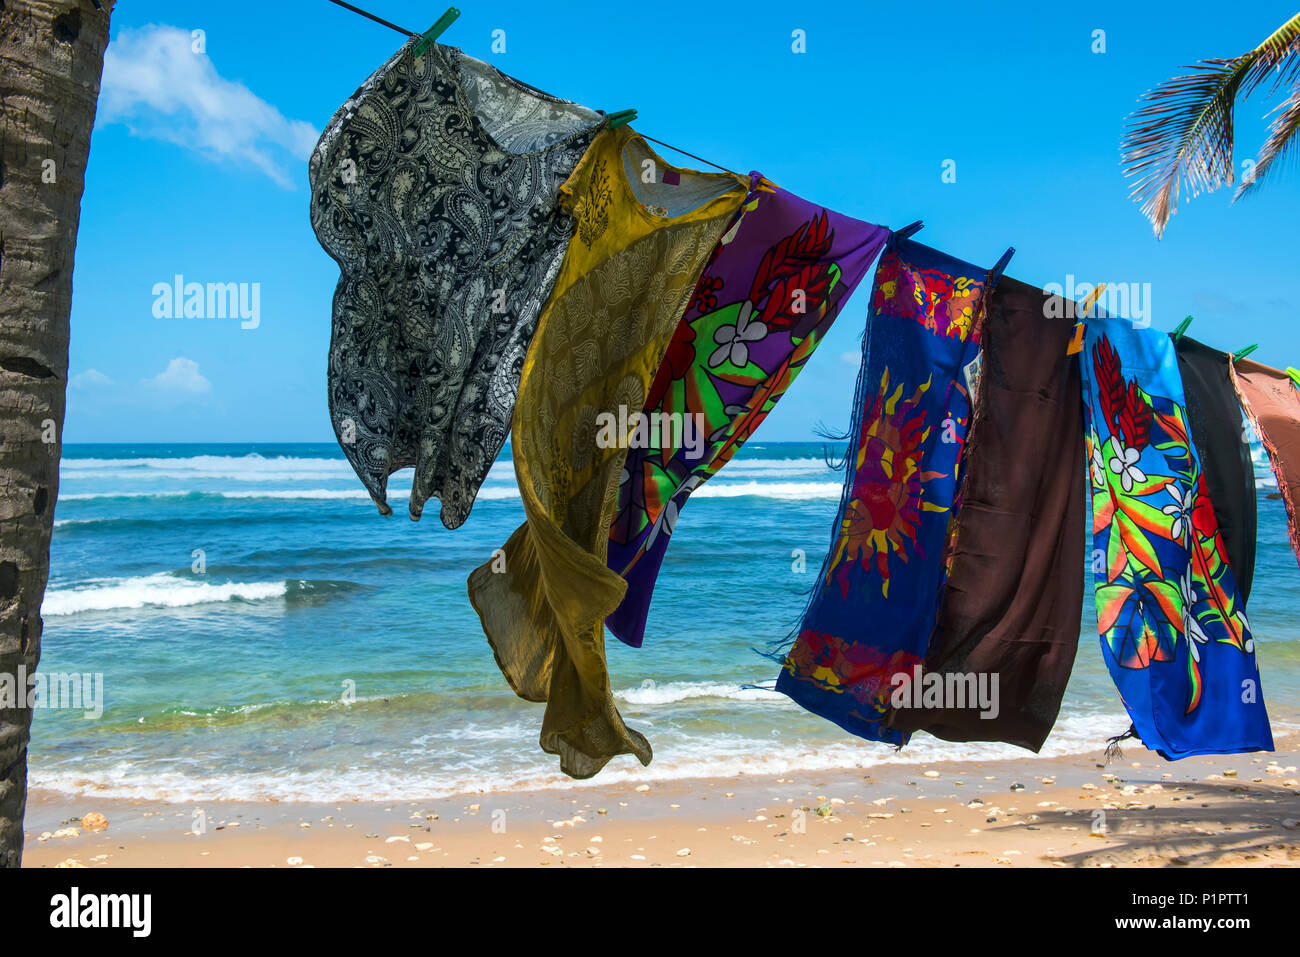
x: 237, y: 680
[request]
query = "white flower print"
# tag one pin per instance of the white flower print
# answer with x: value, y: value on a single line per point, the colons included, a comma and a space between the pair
x: 1191, y: 627
x: 735, y: 339
x: 1180, y: 511
x: 1124, y: 464
x: 668, y: 517
x: 1098, y: 465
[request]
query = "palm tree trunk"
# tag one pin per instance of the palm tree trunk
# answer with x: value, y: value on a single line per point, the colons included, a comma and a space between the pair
x: 51, y: 57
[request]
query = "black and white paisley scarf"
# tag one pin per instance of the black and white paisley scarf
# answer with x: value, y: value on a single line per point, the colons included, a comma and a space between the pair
x: 434, y: 187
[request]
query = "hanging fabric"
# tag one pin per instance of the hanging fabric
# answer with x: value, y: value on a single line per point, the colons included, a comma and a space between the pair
x: 435, y: 187
x: 1272, y: 403
x: 873, y: 606
x: 645, y: 230
x: 1214, y: 414
x: 1009, y: 613
x: 767, y: 298
x: 1173, y: 624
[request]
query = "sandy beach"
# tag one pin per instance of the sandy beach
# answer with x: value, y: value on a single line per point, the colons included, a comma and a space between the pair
x: 1139, y: 811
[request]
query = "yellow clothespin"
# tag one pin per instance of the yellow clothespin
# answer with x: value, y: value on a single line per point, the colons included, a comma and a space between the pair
x: 1090, y: 300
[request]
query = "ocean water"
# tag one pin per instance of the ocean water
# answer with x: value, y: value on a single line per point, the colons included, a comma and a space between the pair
x: 231, y: 683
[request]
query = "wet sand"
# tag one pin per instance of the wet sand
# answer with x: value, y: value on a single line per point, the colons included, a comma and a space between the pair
x: 1138, y: 811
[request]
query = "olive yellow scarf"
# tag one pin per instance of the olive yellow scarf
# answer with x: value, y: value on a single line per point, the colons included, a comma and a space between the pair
x: 644, y: 232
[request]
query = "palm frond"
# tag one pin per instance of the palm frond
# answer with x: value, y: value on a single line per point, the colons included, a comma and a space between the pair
x: 1183, y: 132
x: 1280, y: 55
x: 1281, y: 140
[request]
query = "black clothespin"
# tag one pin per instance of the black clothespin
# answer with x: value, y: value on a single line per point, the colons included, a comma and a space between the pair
x: 996, y: 272
x: 908, y: 231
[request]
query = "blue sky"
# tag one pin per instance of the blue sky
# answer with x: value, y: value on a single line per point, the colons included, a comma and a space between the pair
x: 198, y: 167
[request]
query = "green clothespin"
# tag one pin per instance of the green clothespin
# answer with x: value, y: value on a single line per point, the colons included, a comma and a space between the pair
x: 435, y: 31
x: 1181, y: 328
x: 1294, y: 373
x: 621, y: 118
x: 1246, y: 351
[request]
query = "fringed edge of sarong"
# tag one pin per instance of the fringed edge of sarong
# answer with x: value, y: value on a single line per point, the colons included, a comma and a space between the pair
x: 778, y: 649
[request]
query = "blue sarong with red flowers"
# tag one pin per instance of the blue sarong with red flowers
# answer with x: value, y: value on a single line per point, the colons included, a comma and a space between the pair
x: 1173, y: 625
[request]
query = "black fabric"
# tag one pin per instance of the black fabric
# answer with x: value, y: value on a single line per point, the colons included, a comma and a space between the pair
x: 1214, y: 415
x: 436, y: 188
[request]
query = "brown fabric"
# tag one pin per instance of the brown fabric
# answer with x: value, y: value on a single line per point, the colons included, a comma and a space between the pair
x: 1273, y: 406
x: 1014, y: 595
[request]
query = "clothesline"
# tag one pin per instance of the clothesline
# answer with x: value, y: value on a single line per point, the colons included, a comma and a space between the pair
x: 961, y: 518
x: 992, y: 278
x: 371, y: 16
x: 411, y: 33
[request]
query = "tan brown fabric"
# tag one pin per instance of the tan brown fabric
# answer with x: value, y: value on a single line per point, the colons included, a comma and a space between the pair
x: 1014, y: 594
x: 1273, y: 406
x: 639, y: 250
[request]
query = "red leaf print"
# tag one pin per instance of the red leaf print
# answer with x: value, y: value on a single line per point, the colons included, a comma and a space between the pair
x: 677, y: 360
x: 1135, y: 418
x: 1110, y: 381
x: 807, y: 244
x: 779, y: 311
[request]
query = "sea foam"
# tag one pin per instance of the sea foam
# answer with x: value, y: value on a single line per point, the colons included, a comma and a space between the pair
x: 160, y: 591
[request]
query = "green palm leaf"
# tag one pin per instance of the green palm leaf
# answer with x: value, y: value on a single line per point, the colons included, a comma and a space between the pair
x: 1281, y: 137
x: 1183, y: 132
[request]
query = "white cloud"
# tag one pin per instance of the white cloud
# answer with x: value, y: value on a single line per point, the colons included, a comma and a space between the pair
x: 851, y: 358
x: 90, y: 379
x: 157, y: 86
x: 181, y: 375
